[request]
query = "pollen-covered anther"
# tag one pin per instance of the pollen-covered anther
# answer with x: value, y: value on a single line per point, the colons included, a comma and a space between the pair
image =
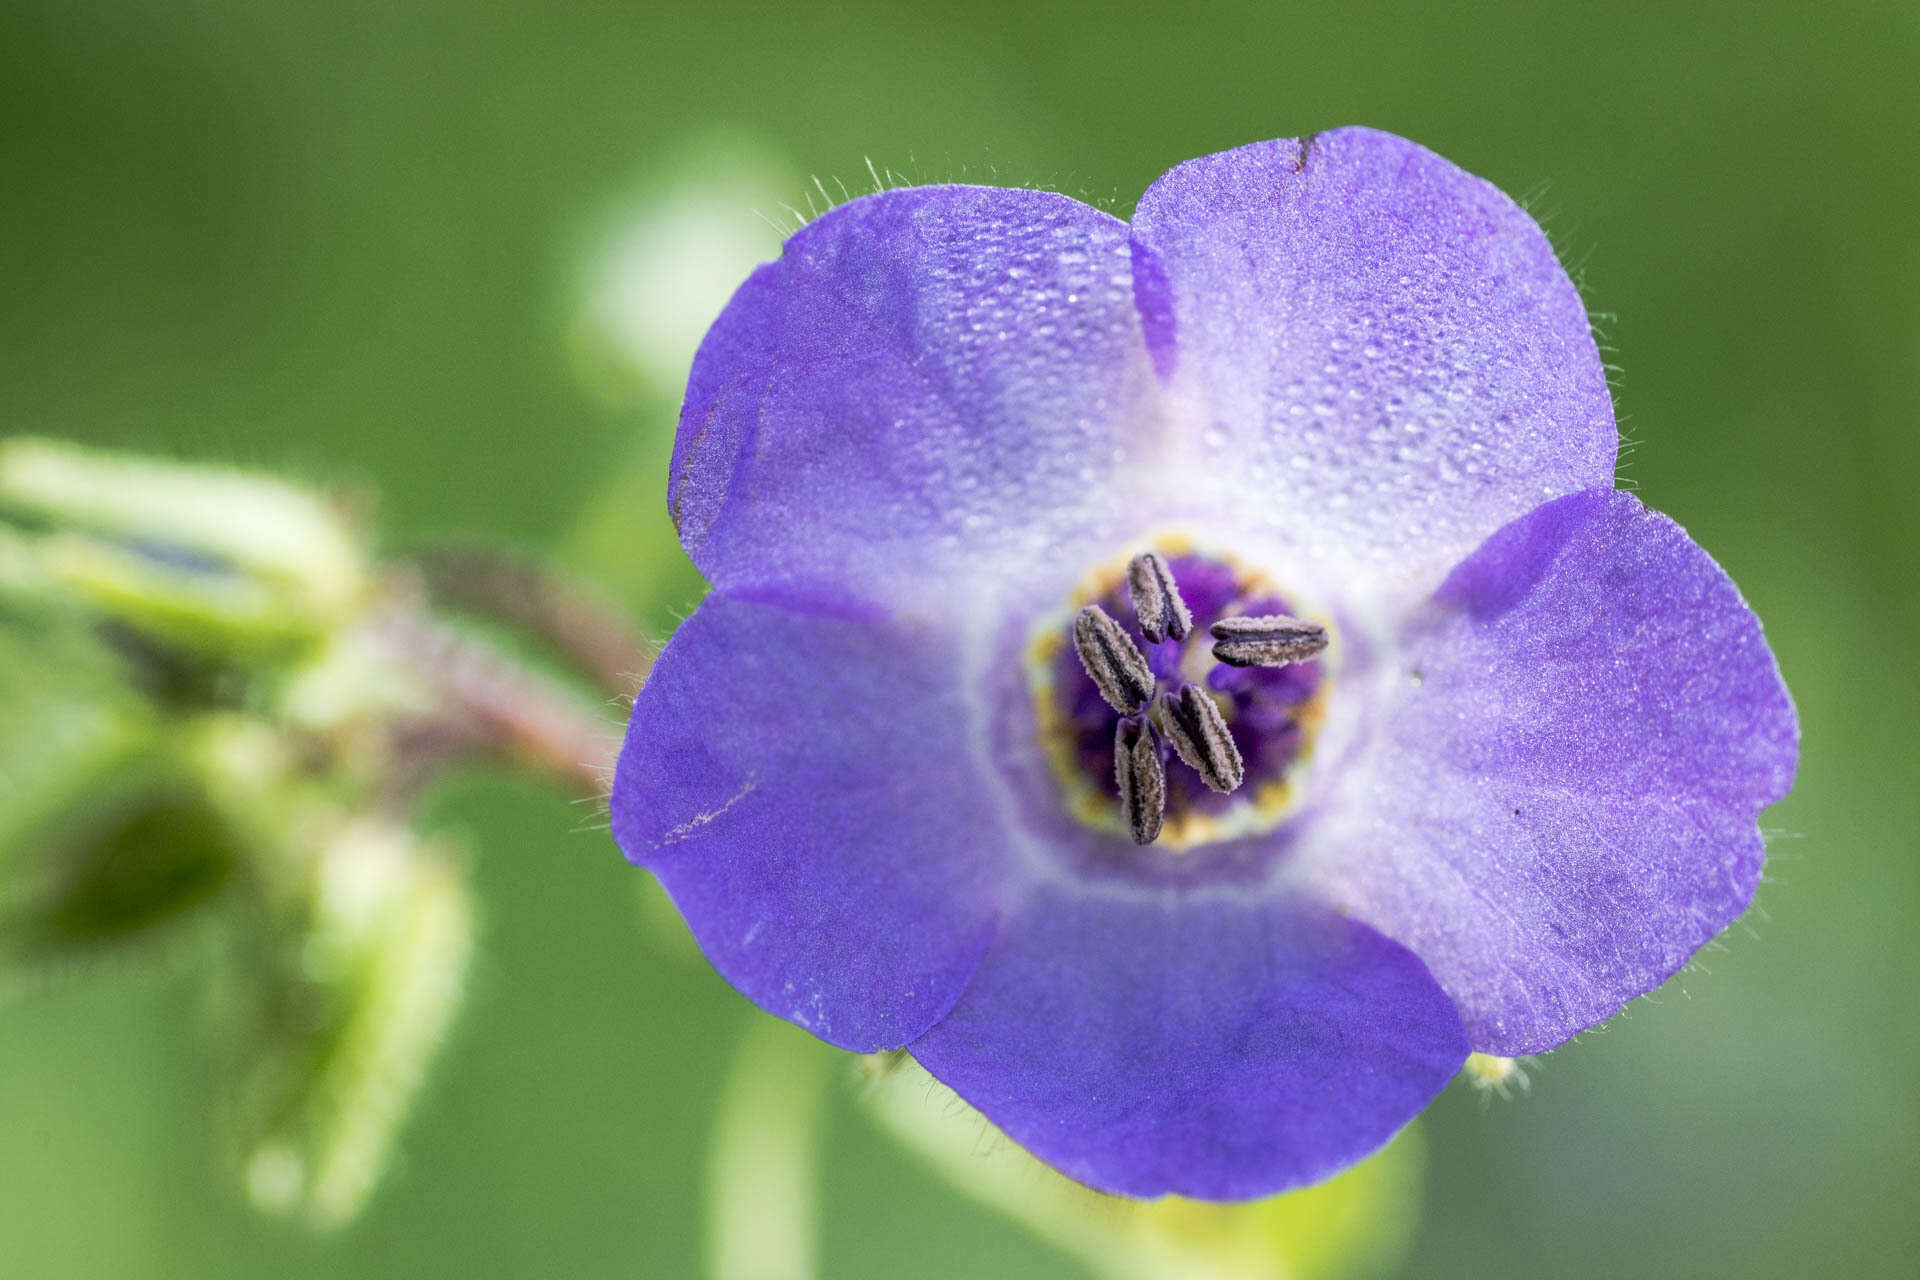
x: 1141, y: 776
x: 1270, y: 641
x: 1156, y: 599
x: 1113, y: 661
x: 1198, y: 733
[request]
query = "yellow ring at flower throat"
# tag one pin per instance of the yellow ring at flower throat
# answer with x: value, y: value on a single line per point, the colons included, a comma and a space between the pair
x: 1256, y: 808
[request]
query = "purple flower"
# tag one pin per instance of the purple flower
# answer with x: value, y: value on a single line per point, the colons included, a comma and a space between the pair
x: 1203, y: 907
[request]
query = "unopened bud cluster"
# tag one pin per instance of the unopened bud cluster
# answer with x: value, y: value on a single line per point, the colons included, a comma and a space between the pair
x: 216, y: 709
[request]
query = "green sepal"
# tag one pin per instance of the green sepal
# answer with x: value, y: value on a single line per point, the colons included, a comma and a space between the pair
x: 210, y: 560
x: 105, y: 839
x: 339, y: 991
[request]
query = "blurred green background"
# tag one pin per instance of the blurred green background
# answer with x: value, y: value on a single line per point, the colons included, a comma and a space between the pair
x: 358, y: 243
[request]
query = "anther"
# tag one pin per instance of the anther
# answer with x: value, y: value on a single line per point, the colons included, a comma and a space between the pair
x: 1271, y: 641
x: 1118, y: 668
x: 1156, y: 598
x: 1141, y: 776
x: 1193, y: 724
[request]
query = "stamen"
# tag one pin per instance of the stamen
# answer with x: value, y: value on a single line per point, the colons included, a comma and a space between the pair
x: 1118, y: 668
x: 1193, y: 724
x: 1156, y: 598
x: 1141, y: 776
x: 1271, y: 641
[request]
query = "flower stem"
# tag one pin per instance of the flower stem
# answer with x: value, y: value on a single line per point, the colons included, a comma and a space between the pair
x: 763, y: 1176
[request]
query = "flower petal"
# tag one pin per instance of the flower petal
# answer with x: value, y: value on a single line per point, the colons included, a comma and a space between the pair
x: 1563, y: 803
x: 1209, y: 1047
x: 796, y: 782
x: 927, y: 377
x: 1376, y: 353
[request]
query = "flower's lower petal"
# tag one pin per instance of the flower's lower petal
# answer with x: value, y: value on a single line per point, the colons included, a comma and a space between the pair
x: 1562, y: 806
x: 1217, y: 1048
x: 1375, y: 353
x: 928, y: 380
x: 798, y: 783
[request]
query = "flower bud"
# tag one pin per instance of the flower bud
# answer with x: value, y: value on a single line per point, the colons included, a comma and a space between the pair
x: 339, y: 1018
x: 204, y: 557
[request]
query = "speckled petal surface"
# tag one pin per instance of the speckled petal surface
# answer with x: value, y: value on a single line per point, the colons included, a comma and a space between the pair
x: 1376, y: 356
x: 1335, y: 377
x: 1218, y: 1048
x: 797, y: 782
x: 1562, y: 802
x: 929, y: 381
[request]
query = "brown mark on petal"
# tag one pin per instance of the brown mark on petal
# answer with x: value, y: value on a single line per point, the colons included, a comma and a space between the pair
x: 1198, y: 733
x: 1156, y: 598
x: 1141, y: 777
x: 1113, y: 661
x: 1270, y: 641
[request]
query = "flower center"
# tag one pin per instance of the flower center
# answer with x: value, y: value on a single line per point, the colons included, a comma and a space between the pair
x: 1177, y: 697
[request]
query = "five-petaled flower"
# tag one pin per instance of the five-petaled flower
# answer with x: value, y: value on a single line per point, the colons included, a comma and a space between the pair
x: 938, y: 764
